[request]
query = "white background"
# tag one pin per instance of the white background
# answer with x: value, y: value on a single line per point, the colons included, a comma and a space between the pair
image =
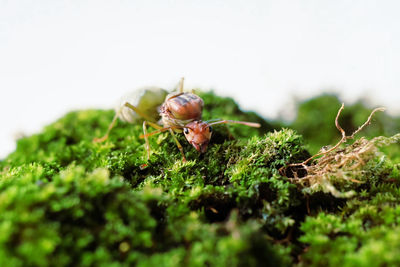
x: 56, y: 56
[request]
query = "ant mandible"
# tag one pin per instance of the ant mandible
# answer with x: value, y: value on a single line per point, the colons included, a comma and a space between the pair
x: 180, y: 112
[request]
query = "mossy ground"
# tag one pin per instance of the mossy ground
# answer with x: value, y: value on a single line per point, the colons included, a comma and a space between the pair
x: 65, y: 200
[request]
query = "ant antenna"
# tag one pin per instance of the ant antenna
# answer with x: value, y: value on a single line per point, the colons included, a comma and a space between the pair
x: 251, y: 124
x: 159, y: 131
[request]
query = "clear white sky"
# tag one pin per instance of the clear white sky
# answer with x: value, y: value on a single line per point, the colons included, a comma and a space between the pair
x: 61, y: 55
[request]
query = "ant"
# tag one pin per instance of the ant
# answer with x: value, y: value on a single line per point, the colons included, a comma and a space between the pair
x: 180, y: 112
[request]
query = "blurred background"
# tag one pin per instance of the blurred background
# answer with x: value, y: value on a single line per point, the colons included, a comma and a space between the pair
x: 56, y: 56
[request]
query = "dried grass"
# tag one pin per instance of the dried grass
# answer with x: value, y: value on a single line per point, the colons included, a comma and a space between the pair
x: 337, y: 165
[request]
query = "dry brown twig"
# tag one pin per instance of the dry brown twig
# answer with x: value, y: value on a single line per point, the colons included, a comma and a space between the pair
x: 335, y: 163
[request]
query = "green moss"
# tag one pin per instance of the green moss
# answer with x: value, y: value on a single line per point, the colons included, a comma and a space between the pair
x: 65, y: 200
x: 365, y: 232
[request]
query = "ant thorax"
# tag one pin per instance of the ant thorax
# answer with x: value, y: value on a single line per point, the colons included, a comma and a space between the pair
x: 181, y: 109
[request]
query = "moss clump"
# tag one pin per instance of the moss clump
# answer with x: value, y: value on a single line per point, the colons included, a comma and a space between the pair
x: 365, y: 233
x: 65, y: 200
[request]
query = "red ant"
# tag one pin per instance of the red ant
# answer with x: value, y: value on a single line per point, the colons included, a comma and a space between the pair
x: 180, y: 112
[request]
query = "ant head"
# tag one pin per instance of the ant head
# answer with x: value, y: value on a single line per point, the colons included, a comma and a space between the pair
x: 198, y: 133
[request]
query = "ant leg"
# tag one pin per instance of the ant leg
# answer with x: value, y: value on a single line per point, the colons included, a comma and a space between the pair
x: 154, y: 125
x: 146, y: 136
x: 117, y: 114
x: 161, y: 130
x: 181, y: 85
x: 178, y: 144
x: 112, y: 124
x: 180, y: 89
x: 174, y: 96
x: 138, y: 111
x: 146, y: 140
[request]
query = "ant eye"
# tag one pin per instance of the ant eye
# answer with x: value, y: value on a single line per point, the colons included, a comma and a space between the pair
x: 185, y: 130
x: 210, y: 129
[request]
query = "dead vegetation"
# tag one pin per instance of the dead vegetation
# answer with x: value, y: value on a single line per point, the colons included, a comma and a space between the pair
x: 337, y: 165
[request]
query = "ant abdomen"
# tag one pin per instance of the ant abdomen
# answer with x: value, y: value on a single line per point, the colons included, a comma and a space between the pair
x: 147, y: 99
